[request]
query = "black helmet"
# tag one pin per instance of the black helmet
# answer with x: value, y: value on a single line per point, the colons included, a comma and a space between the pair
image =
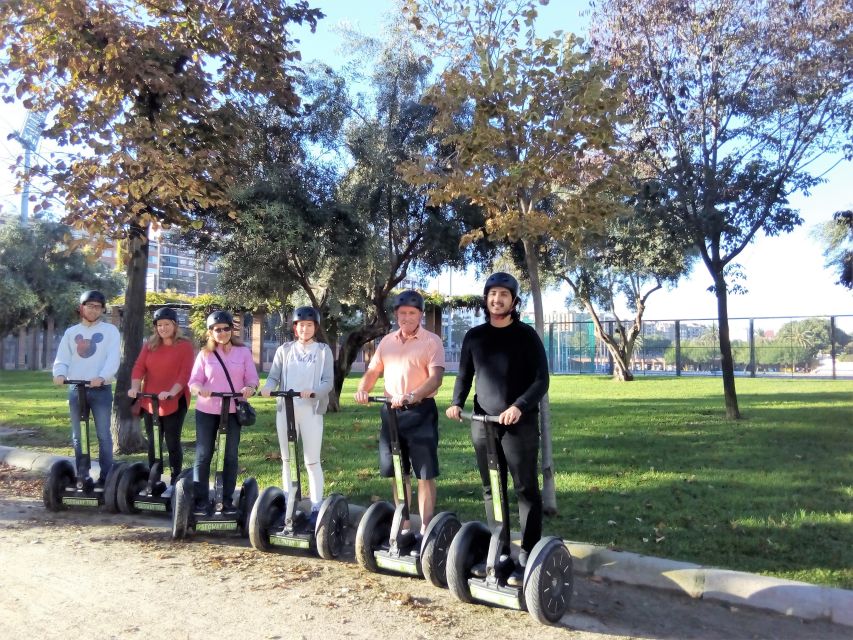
x: 409, y: 298
x: 93, y: 296
x: 501, y: 279
x: 305, y: 313
x: 166, y: 313
x: 219, y: 317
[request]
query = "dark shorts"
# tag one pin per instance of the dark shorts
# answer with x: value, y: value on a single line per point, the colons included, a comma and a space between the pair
x: 418, y: 432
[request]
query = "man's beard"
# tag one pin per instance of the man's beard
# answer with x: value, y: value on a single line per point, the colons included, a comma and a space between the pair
x: 500, y: 316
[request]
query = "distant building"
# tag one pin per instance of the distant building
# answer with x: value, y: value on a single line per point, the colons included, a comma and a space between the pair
x: 177, y: 268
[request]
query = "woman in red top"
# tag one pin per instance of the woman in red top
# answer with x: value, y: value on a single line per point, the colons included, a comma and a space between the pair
x: 164, y: 364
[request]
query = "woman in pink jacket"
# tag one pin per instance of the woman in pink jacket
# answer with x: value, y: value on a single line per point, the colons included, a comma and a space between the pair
x: 208, y: 375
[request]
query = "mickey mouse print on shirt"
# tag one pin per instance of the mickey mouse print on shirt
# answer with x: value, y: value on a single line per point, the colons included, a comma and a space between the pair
x: 87, y: 348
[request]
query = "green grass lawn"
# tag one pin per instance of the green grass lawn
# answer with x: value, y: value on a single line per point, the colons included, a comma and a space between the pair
x: 649, y: 466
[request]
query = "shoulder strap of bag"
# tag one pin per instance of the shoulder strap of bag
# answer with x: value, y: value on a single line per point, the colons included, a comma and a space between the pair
x: 225, y: 369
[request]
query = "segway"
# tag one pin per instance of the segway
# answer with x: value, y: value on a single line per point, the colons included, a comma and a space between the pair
x: 140, y: 487
x: 276, y: 521
x: 547, y: 585
x: 380, y: 542
x: 237, y: 521
x: 66, y: 486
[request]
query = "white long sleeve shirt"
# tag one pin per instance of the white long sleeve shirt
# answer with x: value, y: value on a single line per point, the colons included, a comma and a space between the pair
x: 89, y: 352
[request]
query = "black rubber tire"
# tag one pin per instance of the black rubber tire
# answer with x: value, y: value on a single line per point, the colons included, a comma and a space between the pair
x: 436, y: 546
x: 134, y: 478
x: 548, y: 581
x: 332, y: 528
x: 266, y: 512
x: 248, y: 498
x: 469, y: 547
x: 182, y: 500
x: 111, y: 486
x: 373, y: 531
x: 61, y: 475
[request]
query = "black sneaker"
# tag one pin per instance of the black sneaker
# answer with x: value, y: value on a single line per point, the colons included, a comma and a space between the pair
x: 228, y: 509
x: 200, y: 508
x: 416, y: 546
x: 99, y: 485
x: 479, y: 570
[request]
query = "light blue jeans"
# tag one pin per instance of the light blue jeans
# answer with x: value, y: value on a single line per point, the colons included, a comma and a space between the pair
x: 100, y: 400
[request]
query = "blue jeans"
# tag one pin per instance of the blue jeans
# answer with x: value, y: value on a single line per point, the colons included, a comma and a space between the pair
x: 206, y: 426
x: 100, y: 401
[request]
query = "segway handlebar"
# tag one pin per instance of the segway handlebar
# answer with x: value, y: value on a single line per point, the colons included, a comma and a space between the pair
x: 386, y: 400
x: 290, y: 393
x: 226, y: 394
x: 85, y: 383
x: 153, y: 396
x: 470, y: 415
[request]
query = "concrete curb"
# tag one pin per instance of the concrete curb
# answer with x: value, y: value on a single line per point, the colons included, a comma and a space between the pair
x: 787, y: 597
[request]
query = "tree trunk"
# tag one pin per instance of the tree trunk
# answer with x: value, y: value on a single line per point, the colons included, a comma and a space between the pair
x: 354, y: 341
x: 126, y: 427
x: 549, y: 489
x: 727, y: 361
x: 34, y: 350
x: 621, y: 371
x: 47, y: 341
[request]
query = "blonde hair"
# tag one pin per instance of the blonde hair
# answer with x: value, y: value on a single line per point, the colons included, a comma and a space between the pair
x: 155, y: 340
x: 236, y: 339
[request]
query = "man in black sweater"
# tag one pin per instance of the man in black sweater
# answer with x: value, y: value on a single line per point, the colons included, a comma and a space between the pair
x: 509, y: 361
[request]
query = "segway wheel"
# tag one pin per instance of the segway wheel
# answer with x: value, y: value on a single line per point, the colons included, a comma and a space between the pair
x: 469, y: 547
x: 248, y: 498
x: 130, y: 484
x: 332, y: 527
x: 436, y: 545
x: 548, y: 580
x: 373, y: 531
x: 61, y: 475
x: 111, y: 486
x: 182, y: 499
x: 266, y: 512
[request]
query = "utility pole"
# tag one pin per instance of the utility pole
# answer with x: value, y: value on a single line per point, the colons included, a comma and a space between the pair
x: 29, y: 139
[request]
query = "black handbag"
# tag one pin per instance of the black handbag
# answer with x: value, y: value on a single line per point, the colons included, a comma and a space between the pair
x: 246, y: 415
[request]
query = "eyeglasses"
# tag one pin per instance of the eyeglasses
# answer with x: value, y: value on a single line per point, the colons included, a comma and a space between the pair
x: 221, y: 329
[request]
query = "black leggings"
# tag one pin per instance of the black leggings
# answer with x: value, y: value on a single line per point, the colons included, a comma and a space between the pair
x: 518, y: 450
x: 172, y: 426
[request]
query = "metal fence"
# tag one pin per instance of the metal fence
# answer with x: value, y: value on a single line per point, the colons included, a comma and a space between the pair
x: 813, y: 346
x: 790, y: 346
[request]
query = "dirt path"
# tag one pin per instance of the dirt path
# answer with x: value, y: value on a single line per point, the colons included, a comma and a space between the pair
x: 94, y: 575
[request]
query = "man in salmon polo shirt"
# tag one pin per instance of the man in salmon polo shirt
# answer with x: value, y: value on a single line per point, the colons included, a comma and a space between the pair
x: 411, y: 360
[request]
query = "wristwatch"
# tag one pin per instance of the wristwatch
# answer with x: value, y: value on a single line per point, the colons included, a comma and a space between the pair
x: 411, y: 397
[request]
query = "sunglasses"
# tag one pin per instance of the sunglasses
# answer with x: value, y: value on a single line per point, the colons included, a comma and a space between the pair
x: 221, y: 329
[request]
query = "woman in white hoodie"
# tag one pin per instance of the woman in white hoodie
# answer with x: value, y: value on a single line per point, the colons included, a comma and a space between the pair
x: 303, y: 365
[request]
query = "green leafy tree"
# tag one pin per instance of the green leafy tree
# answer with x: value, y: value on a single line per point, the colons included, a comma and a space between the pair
x: 141, y: 96
x: 635, y: 256
x: 532, y: 123
x: 732, y: 103
x: 43, y: 275
x: 405, y: 231
x: 837, y: 236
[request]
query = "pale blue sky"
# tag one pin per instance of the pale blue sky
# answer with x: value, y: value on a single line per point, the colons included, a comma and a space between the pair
x: 785, y: 274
